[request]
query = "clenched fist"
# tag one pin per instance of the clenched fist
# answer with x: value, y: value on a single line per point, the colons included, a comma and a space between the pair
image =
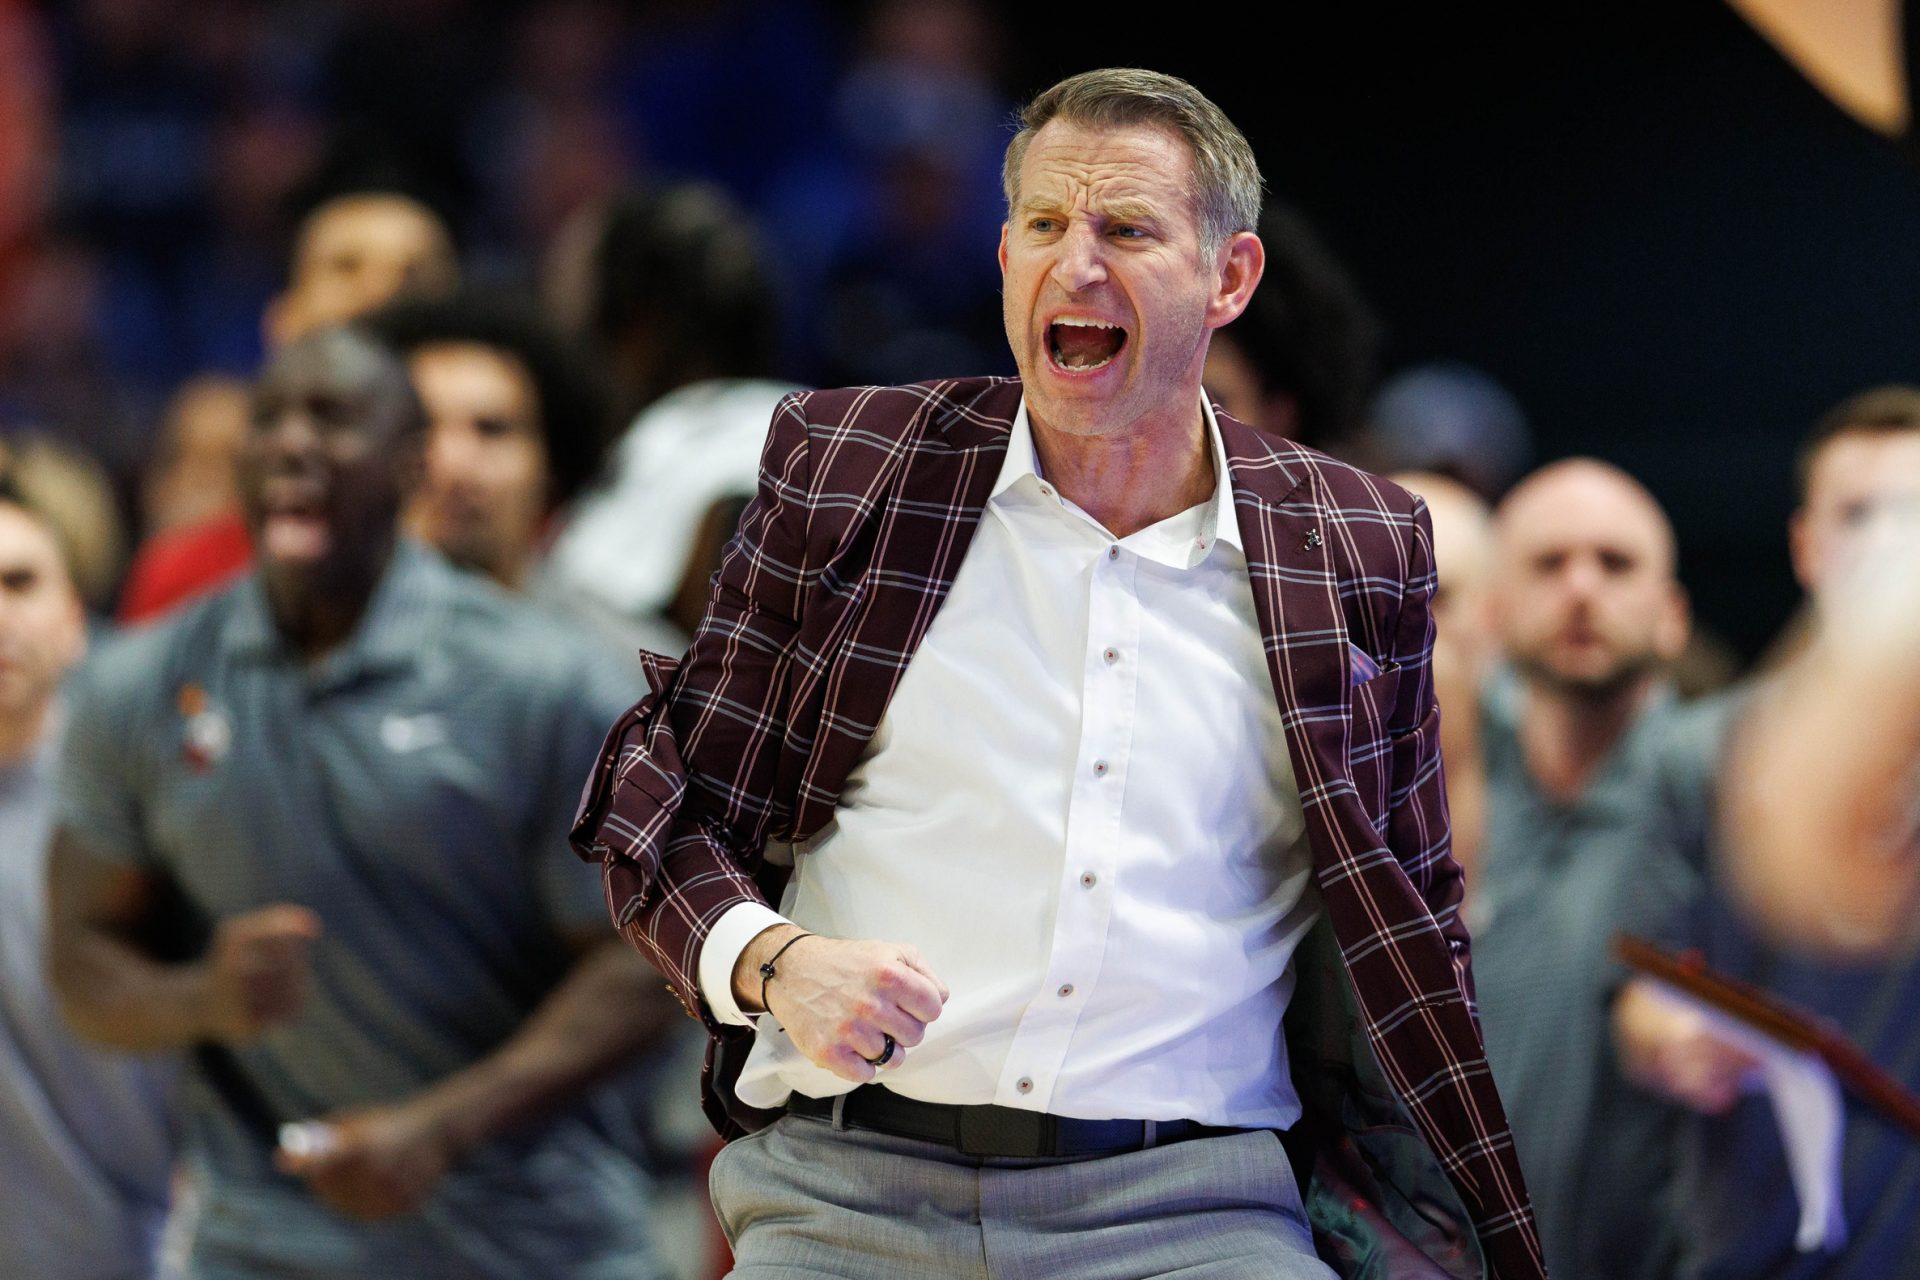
x: 257, y: 970
x: 839, y: 999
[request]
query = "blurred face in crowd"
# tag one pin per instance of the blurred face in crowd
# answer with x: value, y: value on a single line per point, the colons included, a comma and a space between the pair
x: 1463, y: 560
x: 1584, y: 597
x: 1862, y: 488
x: 358, y: 253
x: 333, y: 443
x: 1108, y: 294
x: 42, y: 624
x: 485, y: 493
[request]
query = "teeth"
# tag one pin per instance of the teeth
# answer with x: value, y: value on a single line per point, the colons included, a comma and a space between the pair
x: 1077, y: 322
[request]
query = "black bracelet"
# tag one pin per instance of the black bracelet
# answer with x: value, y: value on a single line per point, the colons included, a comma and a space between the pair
x: 766, y: 970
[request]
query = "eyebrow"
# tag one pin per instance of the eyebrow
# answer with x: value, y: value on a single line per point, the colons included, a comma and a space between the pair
x: 1120, y: 209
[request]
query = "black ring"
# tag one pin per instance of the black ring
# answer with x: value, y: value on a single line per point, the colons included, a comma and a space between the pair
x: 886, y: 1054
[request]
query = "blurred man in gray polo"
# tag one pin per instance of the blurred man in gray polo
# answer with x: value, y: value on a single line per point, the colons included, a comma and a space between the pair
x: 314, y: 828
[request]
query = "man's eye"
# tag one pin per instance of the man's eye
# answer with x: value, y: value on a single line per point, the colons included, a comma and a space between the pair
x: 1125, y: 232
x: 493, y: 428
x: 1045, y: 226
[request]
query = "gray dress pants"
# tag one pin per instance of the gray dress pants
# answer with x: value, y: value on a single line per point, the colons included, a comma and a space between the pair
x: 804, y: 1199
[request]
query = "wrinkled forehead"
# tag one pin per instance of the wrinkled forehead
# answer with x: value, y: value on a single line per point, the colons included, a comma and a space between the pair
x: 1106, y: 167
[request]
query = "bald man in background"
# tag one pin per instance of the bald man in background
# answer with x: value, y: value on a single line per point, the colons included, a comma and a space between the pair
x: 1589, y: 614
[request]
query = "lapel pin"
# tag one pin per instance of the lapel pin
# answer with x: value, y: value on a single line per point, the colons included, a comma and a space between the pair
x: 1312, y: 539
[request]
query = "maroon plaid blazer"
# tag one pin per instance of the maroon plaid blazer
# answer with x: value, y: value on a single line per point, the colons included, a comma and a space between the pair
x: 868, y: 499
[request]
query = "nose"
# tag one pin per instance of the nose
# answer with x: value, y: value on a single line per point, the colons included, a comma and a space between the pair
x: 452, y: 452
x: 1583, y: 577
x: 1081, y: 262
x: 288, y: 433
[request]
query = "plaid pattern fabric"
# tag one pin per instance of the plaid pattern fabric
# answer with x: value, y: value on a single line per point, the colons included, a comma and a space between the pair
x: 868, y: 499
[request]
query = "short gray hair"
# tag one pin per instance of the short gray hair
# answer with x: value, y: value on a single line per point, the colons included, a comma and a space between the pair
x: 1226, y: 178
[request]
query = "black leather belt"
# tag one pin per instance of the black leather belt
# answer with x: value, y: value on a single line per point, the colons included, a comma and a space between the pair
x: 997, y: 1131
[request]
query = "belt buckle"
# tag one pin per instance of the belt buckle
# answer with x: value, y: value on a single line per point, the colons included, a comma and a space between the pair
x: 1004, y: 1131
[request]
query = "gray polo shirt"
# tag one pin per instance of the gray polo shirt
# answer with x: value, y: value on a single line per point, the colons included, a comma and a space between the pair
x: 86, y: 1148
x: 1555, y: 882
x: 414, y: 789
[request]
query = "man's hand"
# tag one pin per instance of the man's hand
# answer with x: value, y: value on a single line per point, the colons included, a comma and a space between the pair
x: 1669, y: 1048
x: 838, y: 999
x: 257, y: 970
x: 375, y: 1162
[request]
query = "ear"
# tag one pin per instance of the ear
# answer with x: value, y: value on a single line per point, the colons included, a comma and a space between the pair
x: 1676, y: 625
x: 1005, y: 227
x: 1241, y: 262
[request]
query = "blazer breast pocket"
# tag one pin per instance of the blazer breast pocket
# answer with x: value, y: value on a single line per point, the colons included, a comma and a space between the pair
x: 1373, y: 690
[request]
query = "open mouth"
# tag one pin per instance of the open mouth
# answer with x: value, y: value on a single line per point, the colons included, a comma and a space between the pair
x: 294, y: 526
x: 1078, y: 345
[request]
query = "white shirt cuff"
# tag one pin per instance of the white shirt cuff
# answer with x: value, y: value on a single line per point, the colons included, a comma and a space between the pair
x: 739, y: 925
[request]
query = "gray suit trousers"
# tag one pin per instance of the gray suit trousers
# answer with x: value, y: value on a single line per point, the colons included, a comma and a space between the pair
x: 804, y: 1199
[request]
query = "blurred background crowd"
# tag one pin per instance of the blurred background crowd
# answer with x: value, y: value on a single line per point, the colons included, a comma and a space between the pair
x: 604, y: 239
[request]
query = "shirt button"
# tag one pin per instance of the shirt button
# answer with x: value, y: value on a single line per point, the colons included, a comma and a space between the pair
x: 1066, y: 990
x: 1088, y: 879
x: 1111, y: 656
x: 1024, y: 1084
x: 1045, y: 492
x: 1113, y: 552
x: 1099, y: 768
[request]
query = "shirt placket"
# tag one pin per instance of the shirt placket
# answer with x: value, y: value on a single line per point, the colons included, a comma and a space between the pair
x: 1089, y: 873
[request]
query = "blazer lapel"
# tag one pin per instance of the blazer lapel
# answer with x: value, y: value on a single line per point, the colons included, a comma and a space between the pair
x: 1296, y: 595
x: 939, y: 489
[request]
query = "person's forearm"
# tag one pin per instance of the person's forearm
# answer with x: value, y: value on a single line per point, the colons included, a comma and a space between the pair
x: 603, y: 1013
x: 112, y: 994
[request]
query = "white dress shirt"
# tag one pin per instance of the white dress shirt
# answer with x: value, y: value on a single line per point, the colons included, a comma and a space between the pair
x: 1080, y: 808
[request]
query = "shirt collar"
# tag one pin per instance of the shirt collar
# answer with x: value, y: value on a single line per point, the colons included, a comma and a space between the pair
x: 1221, y: 522
x: 394, y: 633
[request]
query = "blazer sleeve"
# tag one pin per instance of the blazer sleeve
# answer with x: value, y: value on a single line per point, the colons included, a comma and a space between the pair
x: 1418, y: 831
x: 680, y: 801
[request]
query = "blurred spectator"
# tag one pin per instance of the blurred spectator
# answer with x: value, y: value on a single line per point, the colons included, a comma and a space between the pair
x: 85, y: 1138
x: 516, y: 426
x: 75, y: 497
x: 1463, y: 650
x: 195, y: 539
x: 357, y: 252
x: 1302, y: 361
x: 1588, y: 611
x: 190, y: 479
x: 1838, y: 714
x: 353, y: 253
x: 1450, y: 418
x: 672, y: 286
x: 315, y: 827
